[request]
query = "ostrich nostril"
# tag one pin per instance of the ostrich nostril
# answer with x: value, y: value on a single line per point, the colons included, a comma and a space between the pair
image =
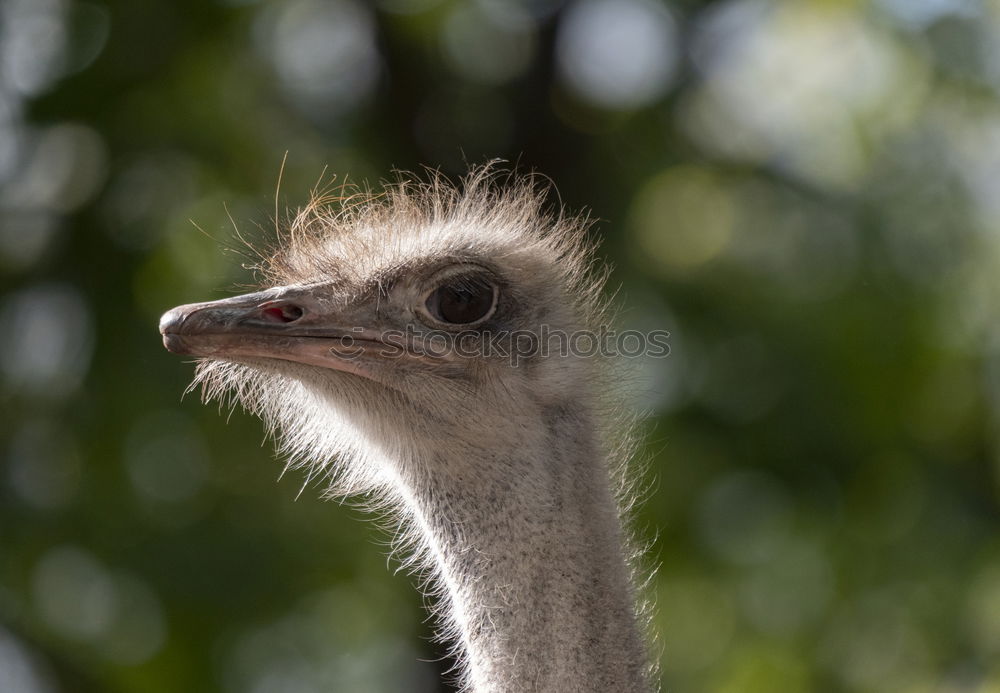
x: 282, y: 313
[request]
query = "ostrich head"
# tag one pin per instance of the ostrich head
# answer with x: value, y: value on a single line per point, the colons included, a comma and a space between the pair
x: 400, y: 352
x: 398, y: 320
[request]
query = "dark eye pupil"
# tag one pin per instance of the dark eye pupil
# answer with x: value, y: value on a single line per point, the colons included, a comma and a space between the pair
x: 461, y: 303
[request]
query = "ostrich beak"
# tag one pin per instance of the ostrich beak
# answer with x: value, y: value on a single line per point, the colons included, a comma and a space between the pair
x: 287, y: 323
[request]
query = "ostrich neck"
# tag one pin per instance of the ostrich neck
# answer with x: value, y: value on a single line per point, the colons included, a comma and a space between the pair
x: 528, y: 546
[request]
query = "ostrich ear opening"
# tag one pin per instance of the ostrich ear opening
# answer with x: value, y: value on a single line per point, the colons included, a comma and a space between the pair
x: 287, y: 323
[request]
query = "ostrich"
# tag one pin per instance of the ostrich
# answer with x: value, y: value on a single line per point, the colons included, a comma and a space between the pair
x: 397, y: 355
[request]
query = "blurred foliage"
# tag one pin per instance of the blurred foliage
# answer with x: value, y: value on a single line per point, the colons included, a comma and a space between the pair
x: 805, y: 193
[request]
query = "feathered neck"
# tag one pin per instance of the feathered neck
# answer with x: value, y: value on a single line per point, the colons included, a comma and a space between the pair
x: 527, y: 551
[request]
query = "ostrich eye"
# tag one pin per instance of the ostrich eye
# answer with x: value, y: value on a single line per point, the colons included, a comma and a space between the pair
x: 462, y: 301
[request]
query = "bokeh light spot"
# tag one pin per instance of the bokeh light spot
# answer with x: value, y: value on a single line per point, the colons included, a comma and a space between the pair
x: 491, y: 44
x: 324, y: 53
x: 681, y: 219
x: 20, y: 672
x: 32, y: 44
x: 49, y: 340
x: 80, y: 599
x: 74, y: 594
x: 65, y: 168
x: 619, y: 54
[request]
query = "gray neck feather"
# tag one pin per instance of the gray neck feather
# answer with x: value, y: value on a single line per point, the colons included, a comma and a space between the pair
x: 528, y: 548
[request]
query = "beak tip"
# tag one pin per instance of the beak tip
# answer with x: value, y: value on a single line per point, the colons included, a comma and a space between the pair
x: 170, y: 328
x: 171, y: 321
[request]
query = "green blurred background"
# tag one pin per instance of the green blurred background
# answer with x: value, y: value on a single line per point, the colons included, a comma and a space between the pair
x: 806, y: 194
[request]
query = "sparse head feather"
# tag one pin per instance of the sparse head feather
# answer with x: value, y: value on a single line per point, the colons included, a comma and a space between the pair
x: 360, y: 233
